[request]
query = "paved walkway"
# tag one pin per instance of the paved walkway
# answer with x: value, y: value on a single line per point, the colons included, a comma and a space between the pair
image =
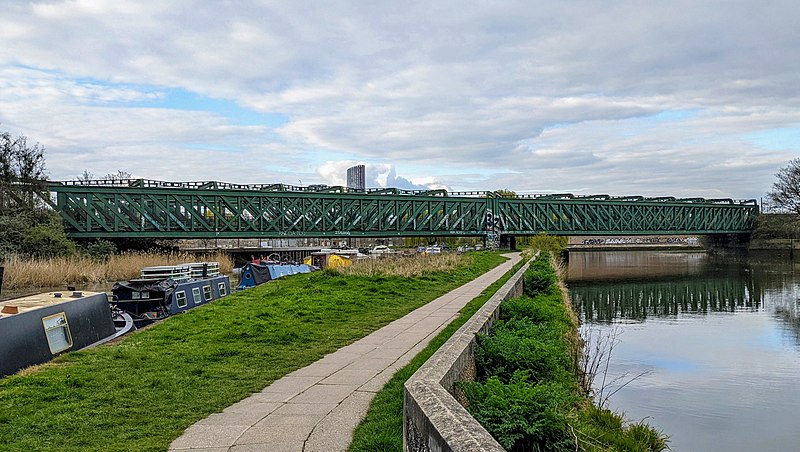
x: 318, y: 407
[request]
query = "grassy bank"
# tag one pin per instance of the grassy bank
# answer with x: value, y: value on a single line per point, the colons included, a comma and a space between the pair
x: 142, y: 393
x: 382, y: 427
x: 24, y: 272
x: 528, y: 392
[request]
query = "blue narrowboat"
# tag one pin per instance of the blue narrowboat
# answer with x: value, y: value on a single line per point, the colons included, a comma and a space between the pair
x: 254, y: 274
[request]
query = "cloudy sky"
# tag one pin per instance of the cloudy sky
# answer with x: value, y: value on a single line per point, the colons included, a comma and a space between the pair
x: 684, y: 98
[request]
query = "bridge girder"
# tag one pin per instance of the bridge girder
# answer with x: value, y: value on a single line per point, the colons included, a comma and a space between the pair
x: 207, y: 210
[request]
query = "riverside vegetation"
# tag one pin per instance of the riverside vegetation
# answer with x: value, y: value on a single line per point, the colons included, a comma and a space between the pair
x: 523, y: 413
x: 528, y: 392
x: 145, y: 390
x: 78, y: 269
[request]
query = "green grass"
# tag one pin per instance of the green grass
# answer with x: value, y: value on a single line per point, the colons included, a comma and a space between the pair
x: 142, y: 393
x: 382, y: 428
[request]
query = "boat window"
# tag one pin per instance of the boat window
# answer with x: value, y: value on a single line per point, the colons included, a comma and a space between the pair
x: 196, y: 295
x: 222, y: 290
x: 207, y: 292
x: 57, y: 330
x: 181, y: 298
x: 145, y: 295
x: 135, y: 295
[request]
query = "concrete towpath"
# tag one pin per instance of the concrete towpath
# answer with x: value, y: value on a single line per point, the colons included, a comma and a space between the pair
x: 318, y: 407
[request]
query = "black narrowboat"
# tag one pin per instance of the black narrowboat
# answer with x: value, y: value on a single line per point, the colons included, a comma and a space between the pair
x: 36, y: 328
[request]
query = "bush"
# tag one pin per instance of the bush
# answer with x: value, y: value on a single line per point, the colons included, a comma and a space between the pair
x: 522, y: 345
x: 46, y: 240
x: 522, y: 415
x: 33, y: 234
x: 543, y: 308
x: 540, y: 277
x: 101, y: 249
x: 551, y: 243
x: 777, y: 226
x: 599, y: 429
x: 12, y: 233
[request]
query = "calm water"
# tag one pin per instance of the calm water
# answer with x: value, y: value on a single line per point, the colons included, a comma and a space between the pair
x: 718, y: 335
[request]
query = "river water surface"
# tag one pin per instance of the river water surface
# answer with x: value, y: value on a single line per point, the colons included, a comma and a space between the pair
x: 716, y: 336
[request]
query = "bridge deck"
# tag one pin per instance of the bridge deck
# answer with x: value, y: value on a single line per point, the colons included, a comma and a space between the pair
x: 142, y: 208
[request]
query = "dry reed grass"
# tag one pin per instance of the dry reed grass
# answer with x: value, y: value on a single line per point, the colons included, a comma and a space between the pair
x: 21, y: 273
x: 409, y: 267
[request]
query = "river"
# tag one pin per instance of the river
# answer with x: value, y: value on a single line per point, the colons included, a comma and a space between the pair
x: 715, y: 338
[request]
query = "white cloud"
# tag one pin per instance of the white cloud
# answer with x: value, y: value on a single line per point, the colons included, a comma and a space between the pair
x: 377, y: 175
x: 482, y: 96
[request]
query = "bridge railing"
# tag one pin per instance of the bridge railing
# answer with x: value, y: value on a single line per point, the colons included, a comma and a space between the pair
x: 321, y: 188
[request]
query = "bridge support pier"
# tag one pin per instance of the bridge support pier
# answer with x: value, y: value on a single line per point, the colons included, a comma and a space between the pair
x: 735, y: 241
x: 508, y: 242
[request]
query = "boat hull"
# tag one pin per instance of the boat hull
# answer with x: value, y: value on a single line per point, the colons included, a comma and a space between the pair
x: 148, y: 301
x: 24, y: 340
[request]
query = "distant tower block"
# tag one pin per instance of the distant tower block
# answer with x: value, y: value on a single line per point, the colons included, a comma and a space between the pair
x: 356, y: 177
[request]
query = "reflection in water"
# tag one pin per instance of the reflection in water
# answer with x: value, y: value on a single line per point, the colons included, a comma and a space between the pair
x: 637, y: 301
x: 625, y: 285
x: 720, y: 334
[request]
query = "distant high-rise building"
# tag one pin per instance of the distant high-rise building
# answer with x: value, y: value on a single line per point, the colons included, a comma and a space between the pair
x: 356, y: 177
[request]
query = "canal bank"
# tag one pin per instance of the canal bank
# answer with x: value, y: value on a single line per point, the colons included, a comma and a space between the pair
x: 716, y: 338
x: 141, y: 393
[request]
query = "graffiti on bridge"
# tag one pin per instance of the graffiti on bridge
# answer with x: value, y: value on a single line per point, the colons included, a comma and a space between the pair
x: 494, y: 226
x: 687, y: 241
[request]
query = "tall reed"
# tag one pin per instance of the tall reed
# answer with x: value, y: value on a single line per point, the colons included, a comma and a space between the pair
x: 21, y: 273
x: 409, y: 267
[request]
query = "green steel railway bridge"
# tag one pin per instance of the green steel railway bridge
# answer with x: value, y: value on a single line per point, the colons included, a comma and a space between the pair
x: 157, y: 209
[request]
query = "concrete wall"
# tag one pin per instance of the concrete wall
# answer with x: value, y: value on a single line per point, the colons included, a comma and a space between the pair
x: 433, y: 419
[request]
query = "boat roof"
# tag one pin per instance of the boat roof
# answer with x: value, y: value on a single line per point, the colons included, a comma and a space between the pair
x: 15, y: 306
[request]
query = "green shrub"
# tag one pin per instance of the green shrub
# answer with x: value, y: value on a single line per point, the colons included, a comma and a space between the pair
x: 45, y: 240
x: 540, y: 277
x: 101, y: 249
x: 12, y: 233
x: 599, y: 429
x: 543, y: 308
x: 522, y: 345
x: 522, y: 415
x: 551, y: 243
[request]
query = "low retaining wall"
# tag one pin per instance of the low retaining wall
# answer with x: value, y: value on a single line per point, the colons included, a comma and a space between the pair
x: 433, y: 420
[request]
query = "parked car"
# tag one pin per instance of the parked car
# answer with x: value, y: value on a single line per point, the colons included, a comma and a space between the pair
x: 435, y: 249
x: 381, y: 250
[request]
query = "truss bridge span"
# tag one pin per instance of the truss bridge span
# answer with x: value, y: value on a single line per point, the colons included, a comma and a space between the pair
x: 157, y: 209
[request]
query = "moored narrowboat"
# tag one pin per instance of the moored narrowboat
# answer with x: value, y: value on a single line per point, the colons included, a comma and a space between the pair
x: 254, y: 274
x: 36, y: 328
x: 164, y: 291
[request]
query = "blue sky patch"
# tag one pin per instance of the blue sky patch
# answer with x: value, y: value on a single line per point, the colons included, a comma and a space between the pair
x: 179, y: 99
x: 776, y: 139
x: 170, y: 98
x: 673, y: 115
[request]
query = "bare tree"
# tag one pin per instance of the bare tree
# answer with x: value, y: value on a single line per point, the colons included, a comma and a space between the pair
x: 23, y: 182
x: 785, y: 192
x: 85, y: 176
x: 119, y: 175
